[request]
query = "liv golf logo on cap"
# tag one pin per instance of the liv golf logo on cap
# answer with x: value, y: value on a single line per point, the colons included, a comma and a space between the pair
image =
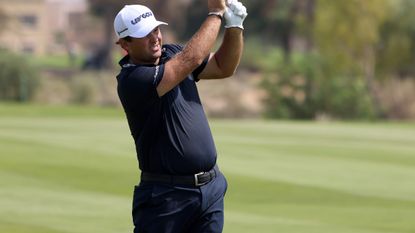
x: 138, y: 19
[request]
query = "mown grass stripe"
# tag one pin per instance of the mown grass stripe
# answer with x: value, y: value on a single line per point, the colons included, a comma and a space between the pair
x: 72, y: 170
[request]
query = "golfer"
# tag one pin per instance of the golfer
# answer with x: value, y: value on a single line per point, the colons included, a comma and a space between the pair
x: 181, y: 188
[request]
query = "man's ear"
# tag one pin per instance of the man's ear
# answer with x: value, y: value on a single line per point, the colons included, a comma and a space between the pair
x: 124, y: 44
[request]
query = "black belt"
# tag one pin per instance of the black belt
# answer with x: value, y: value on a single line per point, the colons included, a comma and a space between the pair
x: 196, y: 180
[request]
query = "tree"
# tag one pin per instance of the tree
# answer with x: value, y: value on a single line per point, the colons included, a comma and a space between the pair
x: 273, y: 21
x: 347, y: 34
x: 396, y: 50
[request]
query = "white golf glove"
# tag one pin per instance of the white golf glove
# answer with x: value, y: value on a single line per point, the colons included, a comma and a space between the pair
x: 235, y: 14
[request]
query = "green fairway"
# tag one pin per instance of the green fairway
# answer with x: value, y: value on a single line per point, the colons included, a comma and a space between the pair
x: 72, y: 170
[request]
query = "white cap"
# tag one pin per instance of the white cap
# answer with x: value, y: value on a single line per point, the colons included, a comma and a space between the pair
x: 136, y: 21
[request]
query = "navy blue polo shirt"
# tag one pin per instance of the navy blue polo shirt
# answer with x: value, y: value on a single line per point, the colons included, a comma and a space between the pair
x: 171, y: 133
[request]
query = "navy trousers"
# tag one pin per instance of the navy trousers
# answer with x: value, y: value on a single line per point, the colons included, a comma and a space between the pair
x: 161, y: 208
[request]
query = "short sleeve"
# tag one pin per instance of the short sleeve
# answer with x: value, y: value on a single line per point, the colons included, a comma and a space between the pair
x: 141, y: 83
x: 200, y: 68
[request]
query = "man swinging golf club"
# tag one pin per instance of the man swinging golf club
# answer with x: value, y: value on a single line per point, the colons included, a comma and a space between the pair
x: 181, y: 188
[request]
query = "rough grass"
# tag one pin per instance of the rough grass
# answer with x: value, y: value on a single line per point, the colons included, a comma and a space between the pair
x: 72, y: 170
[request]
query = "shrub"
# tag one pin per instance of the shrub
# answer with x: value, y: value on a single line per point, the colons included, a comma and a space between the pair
x: 83, y: 90
x: 18, y: 79
x: 303, y: 89
x: 345, y: 98
x: 292, y: 88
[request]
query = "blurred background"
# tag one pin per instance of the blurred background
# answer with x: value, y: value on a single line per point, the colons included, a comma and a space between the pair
x: 315, y: 132
x: 304, y: 59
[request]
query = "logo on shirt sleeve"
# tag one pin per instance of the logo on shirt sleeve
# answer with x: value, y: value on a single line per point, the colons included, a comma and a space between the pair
x: 156, y: 74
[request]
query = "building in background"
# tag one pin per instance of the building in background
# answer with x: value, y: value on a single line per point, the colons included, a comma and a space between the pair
x: 26, y: 27
x: 41, y: 27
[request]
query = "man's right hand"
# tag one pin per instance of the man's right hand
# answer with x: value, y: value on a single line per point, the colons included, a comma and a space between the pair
x: 217, y: 6
x: 235, y: 14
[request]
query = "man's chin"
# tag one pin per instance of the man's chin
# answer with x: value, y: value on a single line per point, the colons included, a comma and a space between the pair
x: 157, y: 55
